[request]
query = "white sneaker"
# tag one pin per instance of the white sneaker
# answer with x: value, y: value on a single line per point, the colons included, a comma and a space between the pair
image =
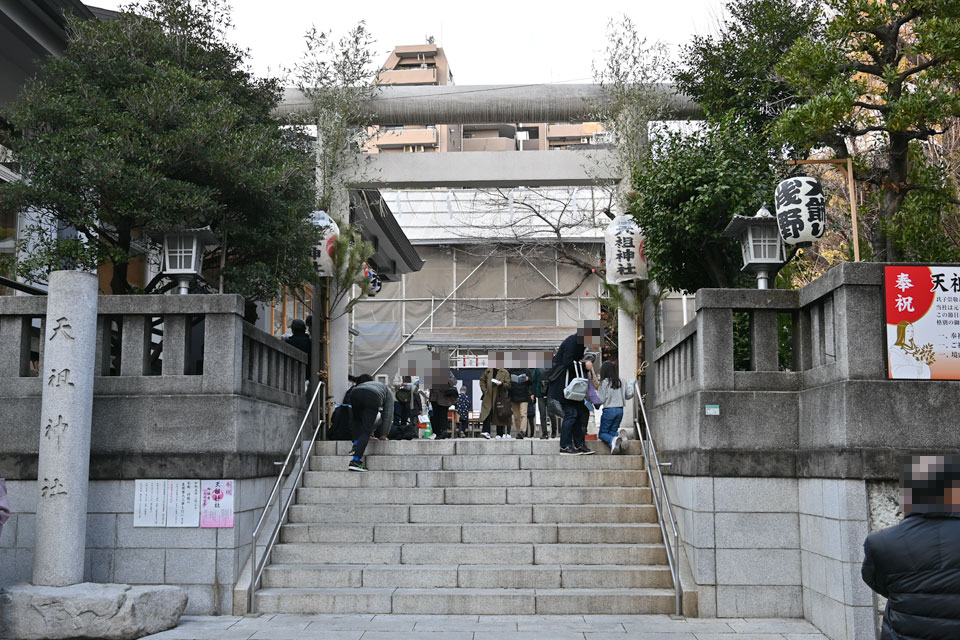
x: 615, y: 445
x: 624, y: 441
x: 499, y: 438
x: 485, y: 434
x: 507, y: 436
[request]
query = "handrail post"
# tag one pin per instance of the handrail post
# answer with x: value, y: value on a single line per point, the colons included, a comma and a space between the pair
x: 257, y: 567
x: 661, y: 499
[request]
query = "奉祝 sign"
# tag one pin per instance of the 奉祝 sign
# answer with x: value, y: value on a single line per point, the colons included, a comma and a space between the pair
x: 216, y: 503
x: 623, y: 247
x: 923, y: 322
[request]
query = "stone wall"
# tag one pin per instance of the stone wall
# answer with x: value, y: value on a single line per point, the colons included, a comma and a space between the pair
x: 772, y: 492
x: 224, y: 402
x: 206, y: 563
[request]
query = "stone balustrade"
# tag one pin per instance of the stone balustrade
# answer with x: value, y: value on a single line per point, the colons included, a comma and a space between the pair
x: 174, y: 376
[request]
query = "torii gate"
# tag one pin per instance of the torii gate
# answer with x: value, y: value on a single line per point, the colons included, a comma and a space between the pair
x: 480, y: 104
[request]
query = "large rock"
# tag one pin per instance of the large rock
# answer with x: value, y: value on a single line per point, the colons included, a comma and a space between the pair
x: 102, y: 611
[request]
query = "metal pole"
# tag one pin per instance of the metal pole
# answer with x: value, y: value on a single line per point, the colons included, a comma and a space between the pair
x: 853, y: 210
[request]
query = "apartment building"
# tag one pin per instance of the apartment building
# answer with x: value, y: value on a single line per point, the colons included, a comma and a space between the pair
x: 427, y: 64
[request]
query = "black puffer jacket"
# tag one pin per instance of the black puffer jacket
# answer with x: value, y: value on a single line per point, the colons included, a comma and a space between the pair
x: 916, y: 566
x: 520, y: 391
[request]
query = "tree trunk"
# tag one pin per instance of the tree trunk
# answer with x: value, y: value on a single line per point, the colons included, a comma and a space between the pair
x: 712, y: 262
x: 893, y: 195
x: 119, y: 284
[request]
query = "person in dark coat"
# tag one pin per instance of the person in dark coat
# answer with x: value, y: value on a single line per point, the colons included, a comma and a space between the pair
x: 443, y: 395
x: 299, y: 337
x: 916, y: 564
x: 573, y: 429
x: 300, y: 340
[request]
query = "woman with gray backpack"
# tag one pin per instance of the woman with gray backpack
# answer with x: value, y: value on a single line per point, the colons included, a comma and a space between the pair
x: 614, y: 392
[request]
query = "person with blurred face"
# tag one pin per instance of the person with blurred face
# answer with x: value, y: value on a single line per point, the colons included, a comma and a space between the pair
x: 916, y: 564
x: 573, y: 429
x: 494, y: 382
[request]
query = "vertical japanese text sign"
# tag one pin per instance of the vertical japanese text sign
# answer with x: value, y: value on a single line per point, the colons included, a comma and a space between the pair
x: 623, y: 249
x: 923, y: 322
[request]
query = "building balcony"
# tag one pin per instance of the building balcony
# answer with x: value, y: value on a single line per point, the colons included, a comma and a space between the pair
x: 489, y: 144
x: 405, y: 137
x: 566, y: 131
x: 409, y: 76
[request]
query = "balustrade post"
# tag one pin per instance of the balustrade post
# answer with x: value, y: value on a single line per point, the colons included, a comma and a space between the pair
x: 135, y: 346
x: 14, y: 341
x: 715, y: 348
x: 174, y: 345
x: 222, y: 355
x: 764, y: 340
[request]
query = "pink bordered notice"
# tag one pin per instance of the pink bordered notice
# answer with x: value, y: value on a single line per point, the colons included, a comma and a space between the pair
x: 216, y: 503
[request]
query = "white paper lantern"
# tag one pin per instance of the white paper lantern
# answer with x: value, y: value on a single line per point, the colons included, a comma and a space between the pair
x: 624, y: 256
x: 801, y: 210
x: 323, y: 252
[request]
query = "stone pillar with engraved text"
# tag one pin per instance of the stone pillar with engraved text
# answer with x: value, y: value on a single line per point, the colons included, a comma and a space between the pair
x: 63, y: 472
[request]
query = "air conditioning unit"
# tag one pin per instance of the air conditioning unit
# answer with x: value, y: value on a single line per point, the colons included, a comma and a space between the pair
x: 584, y: 140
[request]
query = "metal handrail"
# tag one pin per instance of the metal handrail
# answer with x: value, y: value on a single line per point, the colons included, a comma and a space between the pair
x: 661, y: 501
x: 257, y: 567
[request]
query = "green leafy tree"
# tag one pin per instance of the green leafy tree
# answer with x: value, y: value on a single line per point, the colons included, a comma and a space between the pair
x: 733, y: 71
x: 688, y: 189
x: 881, y: 83
x: 151, y: 122
x: 337, y: 76
x: 692, y: 183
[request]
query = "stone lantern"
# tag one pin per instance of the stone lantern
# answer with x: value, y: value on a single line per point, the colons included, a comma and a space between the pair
x: 183, y: 254
x: 760, y: 243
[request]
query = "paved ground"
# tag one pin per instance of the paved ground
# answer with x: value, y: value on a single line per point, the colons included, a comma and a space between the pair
x: 413, y: 627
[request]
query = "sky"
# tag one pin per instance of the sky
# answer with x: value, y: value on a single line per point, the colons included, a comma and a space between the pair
x: 488, y: 42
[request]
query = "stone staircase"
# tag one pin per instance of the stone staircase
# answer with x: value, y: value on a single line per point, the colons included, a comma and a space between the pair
x: 470, y: 527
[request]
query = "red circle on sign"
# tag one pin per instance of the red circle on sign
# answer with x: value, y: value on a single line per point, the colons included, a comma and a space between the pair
x: 908, y: 293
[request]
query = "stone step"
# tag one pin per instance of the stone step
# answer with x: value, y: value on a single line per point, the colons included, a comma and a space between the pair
x: 599, y: 554
x: 573, y: 513
x: 455, y: 513
x: 474, y: 495
x: 324, y: 600
x: 419, y: 553
x: 501, y: 478
x: 476, y: 462
x: 605, y: 601
x: 461, y: 446
x: 615, y: 576
x: 472, y: 533
x: 619, y: 533
x: 406, y: 576
x: 458, y: 601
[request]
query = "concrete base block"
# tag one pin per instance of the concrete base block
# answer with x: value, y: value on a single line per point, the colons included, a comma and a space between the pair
x: 88, y: 610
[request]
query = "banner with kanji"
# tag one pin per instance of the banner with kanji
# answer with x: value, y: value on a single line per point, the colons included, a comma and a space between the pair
x: 625, y: 259
x: 923, y: 322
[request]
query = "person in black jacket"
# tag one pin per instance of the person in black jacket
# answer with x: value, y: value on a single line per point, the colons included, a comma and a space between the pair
x: 916, y: 564
x: 573, y: 430
x: 300, y: 339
